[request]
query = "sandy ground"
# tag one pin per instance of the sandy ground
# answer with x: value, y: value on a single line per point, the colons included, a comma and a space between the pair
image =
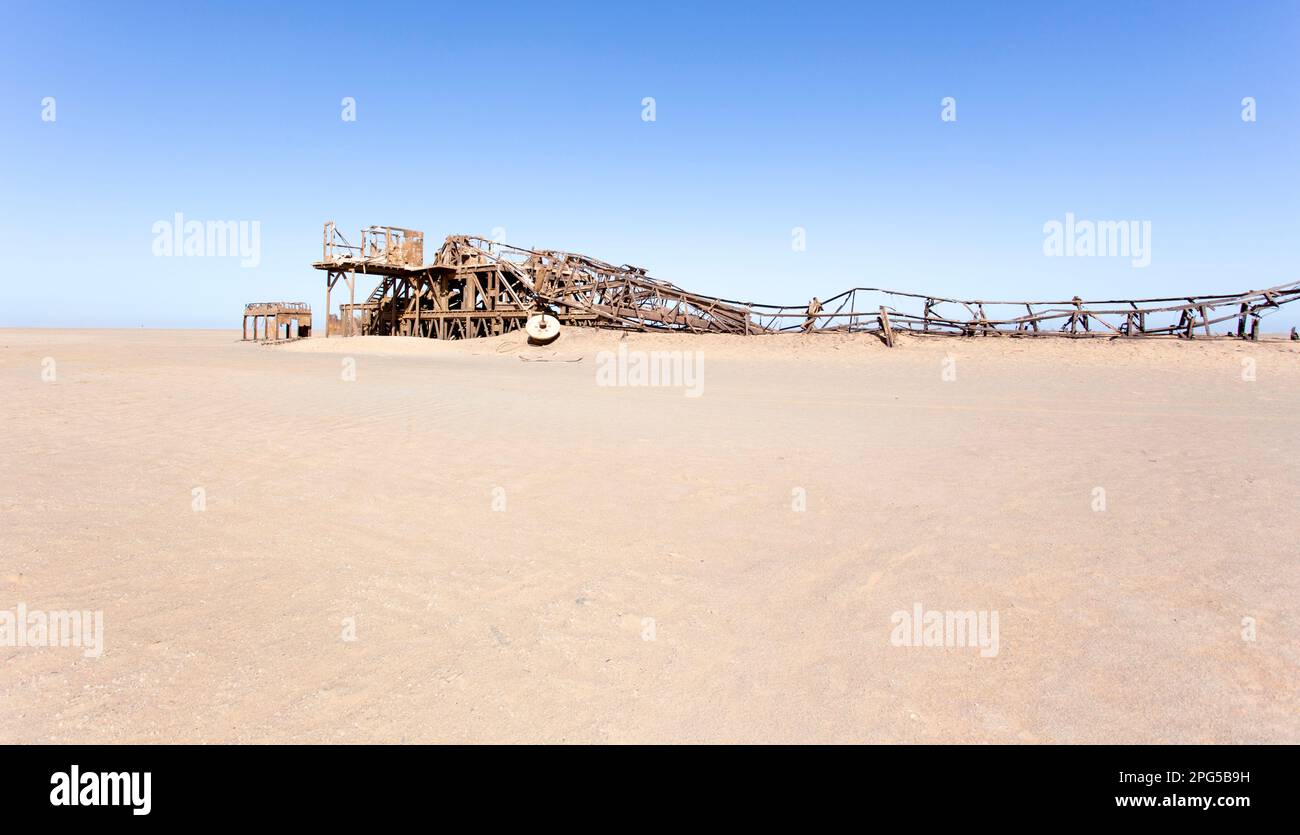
x: 351, y: 575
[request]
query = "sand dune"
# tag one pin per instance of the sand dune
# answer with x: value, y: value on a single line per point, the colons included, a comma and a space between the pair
x: 521, y: 554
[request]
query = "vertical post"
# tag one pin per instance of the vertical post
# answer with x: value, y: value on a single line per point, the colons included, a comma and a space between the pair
x: 884, y: 326
x: 352, y: 302
x: 329, y: 285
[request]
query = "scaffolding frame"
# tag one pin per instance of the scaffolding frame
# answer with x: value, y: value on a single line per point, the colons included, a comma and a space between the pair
x: 475, y: 287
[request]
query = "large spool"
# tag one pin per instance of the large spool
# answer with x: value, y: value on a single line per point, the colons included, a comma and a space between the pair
x: 542, y: 329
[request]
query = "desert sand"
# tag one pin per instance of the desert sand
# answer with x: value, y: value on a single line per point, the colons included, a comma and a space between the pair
x: 461, y: 545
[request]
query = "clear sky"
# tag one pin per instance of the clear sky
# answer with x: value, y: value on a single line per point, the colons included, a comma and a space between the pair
x: 529, y: 118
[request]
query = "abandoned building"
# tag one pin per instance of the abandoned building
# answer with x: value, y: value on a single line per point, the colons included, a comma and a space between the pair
x: 474, y: 287
x: 280, y: 321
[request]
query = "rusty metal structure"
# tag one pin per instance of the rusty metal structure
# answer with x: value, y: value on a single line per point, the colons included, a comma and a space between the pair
x: 280, y: 320
x: 474, y: 287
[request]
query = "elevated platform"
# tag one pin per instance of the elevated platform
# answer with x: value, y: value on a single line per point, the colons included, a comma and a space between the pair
x: 373, y: 266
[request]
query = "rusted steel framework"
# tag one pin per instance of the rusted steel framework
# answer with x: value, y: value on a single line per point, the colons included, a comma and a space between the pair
x: 280, y: 320
x: 475, y: 287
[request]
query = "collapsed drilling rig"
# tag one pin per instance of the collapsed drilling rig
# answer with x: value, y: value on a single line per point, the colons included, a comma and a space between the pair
x: 474, y: 287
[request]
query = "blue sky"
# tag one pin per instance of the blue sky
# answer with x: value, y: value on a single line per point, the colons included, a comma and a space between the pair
x: 529, y: 118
